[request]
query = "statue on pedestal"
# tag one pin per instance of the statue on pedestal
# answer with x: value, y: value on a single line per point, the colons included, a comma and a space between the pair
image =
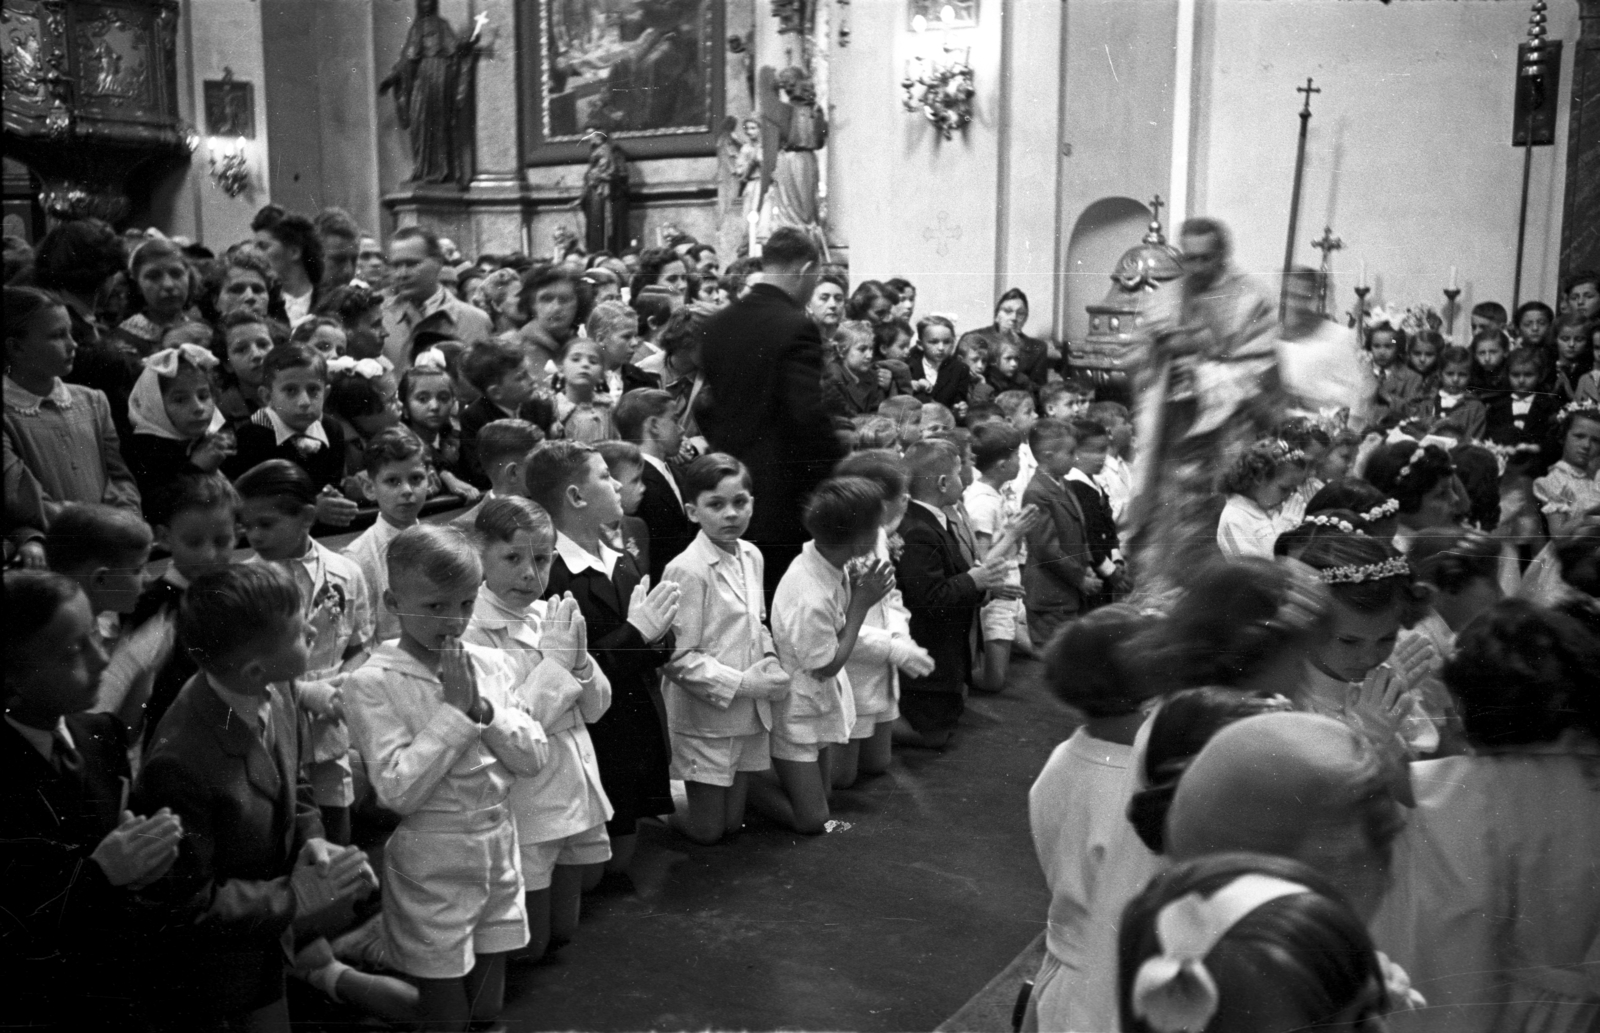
x: 794, y: 128
x: 605, y: 196
x: 432, y: 84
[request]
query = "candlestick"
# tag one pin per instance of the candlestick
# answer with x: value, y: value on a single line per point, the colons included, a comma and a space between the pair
x: 1361, y: 279
x: 1451, y: 293
x: 1362, y: 290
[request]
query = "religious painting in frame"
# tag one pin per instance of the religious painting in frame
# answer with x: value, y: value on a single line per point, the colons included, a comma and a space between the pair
x: 649, y: 73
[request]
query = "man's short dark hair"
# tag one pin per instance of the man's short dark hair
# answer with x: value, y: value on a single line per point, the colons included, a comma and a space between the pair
x: 429, y: 238
x: 710, y: 470
x: 89, y: 534
x: 1201, y: 226
x: 224, y: 612
x: 842, y: 509
x: 500, y: 440
x: 550, y: 468
x: 788, y: 249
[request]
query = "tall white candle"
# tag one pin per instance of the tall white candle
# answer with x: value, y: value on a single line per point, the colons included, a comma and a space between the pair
x: 1361, y: 277
x: 1452, y: 277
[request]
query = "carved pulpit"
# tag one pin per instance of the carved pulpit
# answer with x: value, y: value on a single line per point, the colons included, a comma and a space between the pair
x: 91, y: 96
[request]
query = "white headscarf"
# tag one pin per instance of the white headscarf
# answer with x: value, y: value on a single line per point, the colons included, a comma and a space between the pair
x: 147, y: 411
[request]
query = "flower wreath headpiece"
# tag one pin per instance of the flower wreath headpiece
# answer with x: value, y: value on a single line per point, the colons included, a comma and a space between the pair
x: 1288, y: 453
x: 1386, y: 508
x: 1360, y: 574
x: 1324, y: 520
x: 1582, y: 406
x: 367, y: 369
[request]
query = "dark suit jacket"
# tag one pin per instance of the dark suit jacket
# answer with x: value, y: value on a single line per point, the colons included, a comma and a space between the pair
x: 257, y: 444
x: 951, y: 382
x: 156, y: 463
x: 845, y: 395
x: 630, y: 743
x: 938, y: 590
x: 246, y: 815
x: 537, y: 411
x: 1503, y: 428
x: 65, y: 928
x: 762, y: 362
x: 670, y: 530
x: 1058, y: 549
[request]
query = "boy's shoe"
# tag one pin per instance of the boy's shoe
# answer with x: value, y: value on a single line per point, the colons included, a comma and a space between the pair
x: 364, y: 946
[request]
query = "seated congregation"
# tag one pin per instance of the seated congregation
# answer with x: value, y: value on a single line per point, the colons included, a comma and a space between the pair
x: 360, y: 612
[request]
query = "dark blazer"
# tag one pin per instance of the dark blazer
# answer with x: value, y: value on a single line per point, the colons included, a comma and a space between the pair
x: 670, y: 530
x: 160, y: 600
x: 257, y: 444
x: 1058, y: 549
x: 1018, y: 381
x: 845, y: 395
x: 66, y: 929
x: 938, y: 590
x: 1532, y: 428
x: 762, y: 362
x: 630, y: 743
x: 1100, y: 531
x: 156, y: 463
x: 951, y: 382
x: 537, y: 411
x: 228, y: 905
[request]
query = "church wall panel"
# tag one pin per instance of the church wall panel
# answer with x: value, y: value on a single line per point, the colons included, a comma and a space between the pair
x: 1409, y: 154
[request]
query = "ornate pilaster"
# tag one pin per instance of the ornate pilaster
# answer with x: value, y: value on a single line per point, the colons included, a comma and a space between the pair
x: 1580, y: 230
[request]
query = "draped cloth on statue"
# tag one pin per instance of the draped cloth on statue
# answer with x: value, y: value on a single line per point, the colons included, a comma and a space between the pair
x: 432, y: 82
x: 793, y: 198
x: 1208, y: 387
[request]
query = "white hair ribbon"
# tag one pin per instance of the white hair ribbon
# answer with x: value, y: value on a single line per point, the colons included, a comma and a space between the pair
x: 431, y: 360
x: 165, y: 362
x: 1172, y: 991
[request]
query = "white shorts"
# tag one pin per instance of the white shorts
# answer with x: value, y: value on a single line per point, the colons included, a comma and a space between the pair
x: 714, y: 760
x: 450, y: 895
x: 999, y: 619
x: 797, y: 752
x: 867, y: 725
x: 539, y: 860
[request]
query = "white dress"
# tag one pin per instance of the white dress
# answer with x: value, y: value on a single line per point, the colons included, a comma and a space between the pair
x: 1495, y: 906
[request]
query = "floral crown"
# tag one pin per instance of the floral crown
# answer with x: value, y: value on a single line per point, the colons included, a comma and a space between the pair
x: 1580, y: 407
x: 1324, y: 520
x: 1383, y: 510
x: 367, y: 369
x: 1288, y: 453
x: 1357, y: 574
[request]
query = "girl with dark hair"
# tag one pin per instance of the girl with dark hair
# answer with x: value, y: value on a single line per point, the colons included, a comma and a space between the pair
x: 660, y: 267
x: 1376, y: 513
x: 1493, y: 908
x: 551, y: 310
x: 163, y: 286
x: 1247, y: 943
x: 1423, y: 480
x: 1570, y: 490
x: 871, y: 302
x: 907, y: 292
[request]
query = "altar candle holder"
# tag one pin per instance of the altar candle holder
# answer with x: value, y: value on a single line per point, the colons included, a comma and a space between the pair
x: 1450, y: 296
x: 1362, y: 290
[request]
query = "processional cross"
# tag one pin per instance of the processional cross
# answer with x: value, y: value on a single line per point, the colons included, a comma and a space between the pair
x: 1327, y: 244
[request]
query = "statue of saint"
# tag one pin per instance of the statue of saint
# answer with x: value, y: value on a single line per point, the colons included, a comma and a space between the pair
x: 432, y: 84
x: 794, y: 129
x: 605, y: 196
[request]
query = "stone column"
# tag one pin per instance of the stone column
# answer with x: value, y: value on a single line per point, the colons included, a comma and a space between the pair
x: 1580, y: 232
x: 496, y: 194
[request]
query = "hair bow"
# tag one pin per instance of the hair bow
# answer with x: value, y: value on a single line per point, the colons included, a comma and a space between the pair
x: 1172, y: 991
x: 367, y: 369
x: 165, y: 362
x: 431, y: 359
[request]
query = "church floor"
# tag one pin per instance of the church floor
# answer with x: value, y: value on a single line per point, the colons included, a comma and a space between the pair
x: 891, y: 923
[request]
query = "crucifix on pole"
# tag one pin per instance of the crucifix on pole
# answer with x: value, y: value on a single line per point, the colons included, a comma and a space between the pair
x: 1294, y: 198
x: 1327, y: 244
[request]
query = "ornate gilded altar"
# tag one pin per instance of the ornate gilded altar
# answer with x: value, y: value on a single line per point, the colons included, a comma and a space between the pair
x: 1110, y: 351
x: 91, y: 96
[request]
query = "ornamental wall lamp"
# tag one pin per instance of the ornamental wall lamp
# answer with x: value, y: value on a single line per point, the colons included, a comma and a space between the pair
x: 940, y: 86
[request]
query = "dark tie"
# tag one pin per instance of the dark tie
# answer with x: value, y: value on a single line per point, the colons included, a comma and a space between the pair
x: 67, y: 760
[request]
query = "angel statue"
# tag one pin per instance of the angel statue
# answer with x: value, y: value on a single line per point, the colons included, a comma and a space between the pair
x: 605, y: 196
x: 794, y: 128
x: 432, y: 84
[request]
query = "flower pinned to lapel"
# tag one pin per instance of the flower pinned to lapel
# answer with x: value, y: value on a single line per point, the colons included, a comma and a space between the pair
x: 897, y: 545
x: 632, y: 547
x: 307, y: 446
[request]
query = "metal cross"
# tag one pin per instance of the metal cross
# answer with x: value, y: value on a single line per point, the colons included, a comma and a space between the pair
x: 1327, y: 244
x: 1156, y: 204
x: 1308, y: 90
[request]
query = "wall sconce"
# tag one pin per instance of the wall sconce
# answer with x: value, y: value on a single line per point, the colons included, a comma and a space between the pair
x: 941, y: 88
x: 230, y: 173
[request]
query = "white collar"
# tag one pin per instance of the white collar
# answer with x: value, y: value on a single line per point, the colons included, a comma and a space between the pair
x: 252, y: 710
x: 661, y: 468
x: 496, y: 613
x: 283, y: 432
x: 1076, y: 474
x: 578, y: 559
x: 43, y: 739
x: 938, y: 514
x: 25, y: 401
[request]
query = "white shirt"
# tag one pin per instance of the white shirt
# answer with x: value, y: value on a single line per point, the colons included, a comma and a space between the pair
x: 1520, y: 405
x: 1116, y: 480
x: 371, y: 553
x: 281, y: 431
x: 577, y: 558
x: 719, y: 633
x: 1246, y: 529
x: 808, y: 612
x: 661, y: 468
x: 565, y: 796
x: 298, y: 309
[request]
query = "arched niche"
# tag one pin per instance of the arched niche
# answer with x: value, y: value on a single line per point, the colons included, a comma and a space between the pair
x: 1106, y: 229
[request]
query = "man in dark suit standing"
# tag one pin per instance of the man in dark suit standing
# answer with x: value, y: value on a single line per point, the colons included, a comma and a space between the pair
x: 762, y: 364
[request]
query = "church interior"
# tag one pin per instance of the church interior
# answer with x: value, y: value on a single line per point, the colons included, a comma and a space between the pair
x: 1182, y: 549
